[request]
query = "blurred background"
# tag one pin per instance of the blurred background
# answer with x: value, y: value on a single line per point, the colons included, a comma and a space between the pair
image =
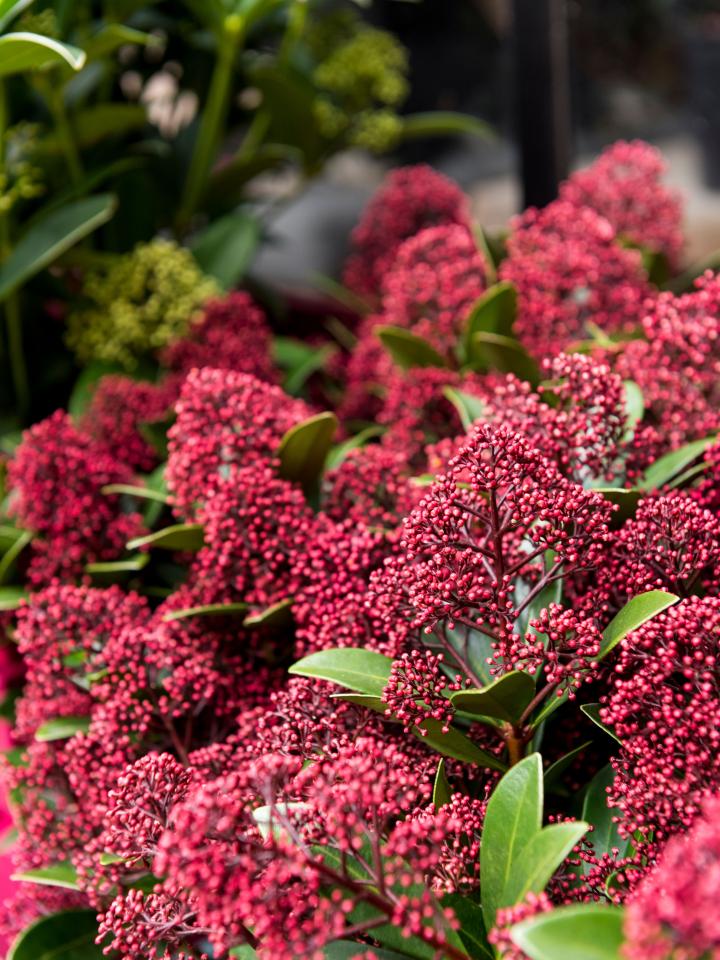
x: 618, y: 69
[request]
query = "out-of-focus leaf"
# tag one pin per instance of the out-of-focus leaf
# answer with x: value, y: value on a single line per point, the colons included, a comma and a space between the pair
x: 59, y: 875
x: 86, y: 384
x: 69, y: 935
x: 130, y: 490
x: 208, y: 610
x: 492, y: 351
x: 110, y: 37
x: 673, y: 463
x: 443, y: 123
x: 441, y: 787
x: 226, y: 248
x: 51, y: 236
x: 21, y: 52
x: 339, y: 452
x: 10, y: 597
x: 9, y: 558
x: 469, y: 408
x: 61, y: 728
x: 304, y: 449
x: 494, y: 312
x: 407, y: 349
x: 590, y: 931
x: 180, y: 536
x: 9, y: 9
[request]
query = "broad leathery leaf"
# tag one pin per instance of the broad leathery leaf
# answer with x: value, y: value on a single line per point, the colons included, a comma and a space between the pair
x: 339, y: 452
x: 541, y: 857
x: 50, y: 236
x: 505, y: 698
x: 472, y: 926
x: 68, y: 935
x: 276, y: 617
x: 673, y: 463
x: 305, y: 447
x: 21, y: 52
x: 180, y: 536
x: 513, y: 818
x: 59, y: 875
x: 493, y: 351
x: 596, y: 811
x: 363, y: 671
x: 441, y: 787
x: 455, y: 744
x: 634, y: 614
x: 114, y: 35
x: 407, y: 349
x: 494, y: 312
x: 588, y: 931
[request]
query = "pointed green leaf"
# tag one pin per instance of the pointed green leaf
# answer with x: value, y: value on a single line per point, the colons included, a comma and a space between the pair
x: 472, y: 926
x: 87, y: 383
x: 596, y: 811
x: 208, y: 610
x: 634, y: 614
x: 505, y: 698
x: 666, y: 468
x: 20, y: 52
x: 469, y: 408
x: 276, y: 617
x: 304, y: 449
x: 107, y: 858
x: 441, y: 787
x: 540, y: 858
x: 180, y: 536
x: 407, y: 349
x: 456, y: 745
x: 493, y: 351
x: 513, y: 818
x: 363, y: 671
x: 592, y: 712
x: 59, y: 875
x: 588, y: 931
x: 69, y: 935
x: 377, y: 704
x: 62, y: 728
x: 51, y: 235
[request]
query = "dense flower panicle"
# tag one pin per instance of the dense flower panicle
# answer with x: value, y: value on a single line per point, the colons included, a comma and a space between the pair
x: 435, y: 278
x: 673, y: 913
x: 114, y: 419
x: 464, y: 542
x: 230, y: 333
x: 663, y: 706
x: 409, y: 199
x: 370, y: 487
x: 225, y: 421
x: 368, y: 369
x: 151, y: 925
x: 624, y: 185
x: 57, y: 476
x: 569, y: 271
x: 677, y: 364
x: 418, y: 690
x: 145, y: 299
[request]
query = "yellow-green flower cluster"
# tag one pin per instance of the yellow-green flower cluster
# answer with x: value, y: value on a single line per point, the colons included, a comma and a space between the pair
x: 139, y: 304
x: 361, y: 82
x: 19, y: 178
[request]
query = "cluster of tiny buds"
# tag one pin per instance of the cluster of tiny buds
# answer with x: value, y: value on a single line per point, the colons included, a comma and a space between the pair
x: 418, y: 689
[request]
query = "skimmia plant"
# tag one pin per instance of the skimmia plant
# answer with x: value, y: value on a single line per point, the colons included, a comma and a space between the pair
x: 395, y: 643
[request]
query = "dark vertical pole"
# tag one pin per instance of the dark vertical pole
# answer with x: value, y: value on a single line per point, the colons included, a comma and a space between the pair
x: 542, y: 96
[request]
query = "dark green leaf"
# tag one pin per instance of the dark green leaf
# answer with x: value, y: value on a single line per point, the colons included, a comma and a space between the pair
x: 20, y: 52
x: 443, y: 123
x: 10, y: 597
x: 634, y: 614
x: 408, y: 350
x: 180, y: 536
x: 69, y: 935
x: 556, y: 770
x: 59, y: 875
x: 592, y: 711
x: 361, y: 670
x: 494, y: 312
x: 626, y: 500
x: 304, y: 449
x: 513, y: 818
x: 441, y: 787
x: 599, y: 815
x: 51, y: 236
x: 472, y: 926
x: 226, y: 248
x: 288, y: 106
x: 456, y: 745
x: 103, y: 120
x: 276, y: 617
x: 208, y: 610
x: 588, y: 931
x: 339, y: 452
x: 669, y: 466
x: 492, y: 351
x: 62, y: 728
x: 505, y: 698
x: 469, y: 408
x: 540, y: 858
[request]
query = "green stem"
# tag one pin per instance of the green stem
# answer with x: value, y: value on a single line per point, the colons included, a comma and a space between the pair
x: 64, y: 133
x: 213, y: 119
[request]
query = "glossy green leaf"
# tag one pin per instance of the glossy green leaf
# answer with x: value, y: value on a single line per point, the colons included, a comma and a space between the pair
x: 59, y: 875
x: 180, y: 536
x: 276, y: 617
x: 288, y: 99
x: 540, y: 858
x: 634, y: 614
x: 513, y: 818
x: 9, y: 9
x: 52, y: 235
x: 407, y: 349
x: 493, y: 351
x: 363, y: 671
x: 130, y: 490
x: 62, y: 728
x: 505, y: 698
x: 469, y: 408
x: 226, y: 248
x: 10, y: 597
x: 339, y: 452
x: 21, y: 52
x: 68, y: 935
x: 441, y: 787
x: 666, y: 468
x: 455, y: 744
x: 443, y: 123
x: 494, y: 312
x: 588, y: 931
x: 377, y: 704
x: 304, y: 449
x: 592, y: 712
x: 208, y: 610
x: 605, y: 835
